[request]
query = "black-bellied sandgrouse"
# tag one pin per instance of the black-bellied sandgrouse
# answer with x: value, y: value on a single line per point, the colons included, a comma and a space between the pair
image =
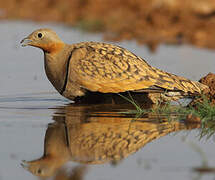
x: 99, y: 67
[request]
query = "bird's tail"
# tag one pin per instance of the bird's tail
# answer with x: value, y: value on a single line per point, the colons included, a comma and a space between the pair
x: 172, y: 82
x: 188, y: 87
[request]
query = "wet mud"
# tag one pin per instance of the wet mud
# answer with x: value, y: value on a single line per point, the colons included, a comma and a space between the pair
x: 209, y: 95
x: 209, y: 80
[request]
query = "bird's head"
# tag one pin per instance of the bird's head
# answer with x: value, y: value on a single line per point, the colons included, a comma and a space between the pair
x: 45, y: 39
x: 41, y: 167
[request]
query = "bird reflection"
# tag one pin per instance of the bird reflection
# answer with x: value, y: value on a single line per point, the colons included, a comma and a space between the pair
x: 94, y: 135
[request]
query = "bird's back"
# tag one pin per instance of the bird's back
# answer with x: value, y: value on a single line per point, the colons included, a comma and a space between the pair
x: 108, y: 68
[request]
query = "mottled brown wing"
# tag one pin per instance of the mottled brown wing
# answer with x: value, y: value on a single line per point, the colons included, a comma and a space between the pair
x: 111, y: 69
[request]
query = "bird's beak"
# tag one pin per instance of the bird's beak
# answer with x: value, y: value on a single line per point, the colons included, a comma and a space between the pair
x: 25, y: 164
x: 25, y: 42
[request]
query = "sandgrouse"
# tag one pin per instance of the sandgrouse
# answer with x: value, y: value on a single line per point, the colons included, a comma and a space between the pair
x: 99, y: 67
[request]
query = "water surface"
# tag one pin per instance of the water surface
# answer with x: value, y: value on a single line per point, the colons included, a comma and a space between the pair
x: 32, y: 113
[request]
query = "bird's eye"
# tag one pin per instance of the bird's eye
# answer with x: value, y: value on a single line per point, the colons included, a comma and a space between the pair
x: 39, y: 35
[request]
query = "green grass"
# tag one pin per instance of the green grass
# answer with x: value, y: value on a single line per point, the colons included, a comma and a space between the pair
x: 204, y: 110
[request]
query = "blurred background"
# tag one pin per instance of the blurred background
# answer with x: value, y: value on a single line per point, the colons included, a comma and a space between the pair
x: 173, y: 35
x: 147, y: 22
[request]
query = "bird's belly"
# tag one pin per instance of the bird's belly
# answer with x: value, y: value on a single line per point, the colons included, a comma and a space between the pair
x: 72, y: 90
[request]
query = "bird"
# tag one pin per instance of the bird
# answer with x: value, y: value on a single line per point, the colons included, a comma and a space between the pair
x: 77, y: 69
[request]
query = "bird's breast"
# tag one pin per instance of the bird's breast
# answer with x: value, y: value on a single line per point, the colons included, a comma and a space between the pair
x: 55, y: 71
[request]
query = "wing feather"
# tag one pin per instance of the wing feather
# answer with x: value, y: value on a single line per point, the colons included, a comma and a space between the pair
x: 108, y: 68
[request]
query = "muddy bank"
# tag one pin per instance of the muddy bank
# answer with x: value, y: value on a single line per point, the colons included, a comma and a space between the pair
x: 209, y: 80
x: 148, y: 22
x: 209, y: 95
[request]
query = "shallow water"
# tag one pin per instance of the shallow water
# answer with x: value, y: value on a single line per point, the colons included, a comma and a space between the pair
x: 28, y: 103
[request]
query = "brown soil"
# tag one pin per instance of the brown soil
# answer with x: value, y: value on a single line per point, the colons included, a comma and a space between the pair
x: 208, y: 80
x: 149, y: 22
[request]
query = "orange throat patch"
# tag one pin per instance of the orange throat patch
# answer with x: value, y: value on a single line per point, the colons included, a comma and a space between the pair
x: 51, y: 48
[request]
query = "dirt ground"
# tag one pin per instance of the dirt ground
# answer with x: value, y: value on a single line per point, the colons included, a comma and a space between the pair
x: 209, y: 80
x: 148, y: 22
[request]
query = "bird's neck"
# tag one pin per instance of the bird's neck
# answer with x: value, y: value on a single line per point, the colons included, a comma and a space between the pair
x: 53, y: 48
x: 55, y: 67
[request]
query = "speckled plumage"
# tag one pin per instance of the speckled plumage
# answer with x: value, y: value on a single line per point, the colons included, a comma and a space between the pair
x: 106, y: 68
